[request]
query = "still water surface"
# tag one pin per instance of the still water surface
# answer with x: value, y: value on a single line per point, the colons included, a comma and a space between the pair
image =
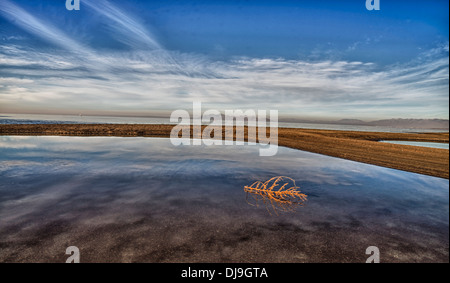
x: 144, y: 200
x: 423, y: 144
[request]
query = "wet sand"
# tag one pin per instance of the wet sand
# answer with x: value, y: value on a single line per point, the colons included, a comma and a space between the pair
x: 352, y: 145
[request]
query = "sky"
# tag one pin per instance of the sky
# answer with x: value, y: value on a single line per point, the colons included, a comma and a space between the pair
x: 306, y: 59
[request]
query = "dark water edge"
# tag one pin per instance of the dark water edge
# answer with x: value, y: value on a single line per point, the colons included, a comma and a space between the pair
x: 423, y: 144
x: 143, y: 200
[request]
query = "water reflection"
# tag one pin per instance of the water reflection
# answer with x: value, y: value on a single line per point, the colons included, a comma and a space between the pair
x: 423, y: 144
x: 143, y: 200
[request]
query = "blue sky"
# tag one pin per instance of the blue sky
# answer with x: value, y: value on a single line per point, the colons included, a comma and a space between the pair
x: 311, y: 59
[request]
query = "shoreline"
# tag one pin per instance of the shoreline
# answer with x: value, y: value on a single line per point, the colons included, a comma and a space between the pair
x: 352, y: 145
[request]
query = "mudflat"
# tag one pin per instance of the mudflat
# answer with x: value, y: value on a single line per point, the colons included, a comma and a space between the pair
x: 352, y: 145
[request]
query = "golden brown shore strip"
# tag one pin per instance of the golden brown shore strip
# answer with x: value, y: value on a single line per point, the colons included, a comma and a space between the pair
x: 352, y: 145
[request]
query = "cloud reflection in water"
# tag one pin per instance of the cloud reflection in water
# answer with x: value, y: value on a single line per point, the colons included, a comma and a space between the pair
x: 141, y: 199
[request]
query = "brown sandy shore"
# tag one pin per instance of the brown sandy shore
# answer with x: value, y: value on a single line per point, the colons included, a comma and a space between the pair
x: 352, y: 145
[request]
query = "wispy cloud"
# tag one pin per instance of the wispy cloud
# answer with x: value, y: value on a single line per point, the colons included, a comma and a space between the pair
x: 40, y: 28
x: 144, y: 79
x: 322, y: 88
x: 127, y: 28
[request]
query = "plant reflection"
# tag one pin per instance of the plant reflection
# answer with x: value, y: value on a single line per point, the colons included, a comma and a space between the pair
x: 280, y: 193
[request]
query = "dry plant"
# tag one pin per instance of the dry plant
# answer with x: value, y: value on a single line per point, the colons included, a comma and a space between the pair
x: 280, y: 193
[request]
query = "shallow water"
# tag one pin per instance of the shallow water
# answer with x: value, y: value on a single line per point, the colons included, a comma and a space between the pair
x: 423, y: 144
x: 144, y: 200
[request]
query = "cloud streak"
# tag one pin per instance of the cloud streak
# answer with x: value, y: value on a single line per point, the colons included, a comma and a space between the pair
x: 81, y: 79
x: 136, y: 34
x: 292, y: 86
x: 43, y: 30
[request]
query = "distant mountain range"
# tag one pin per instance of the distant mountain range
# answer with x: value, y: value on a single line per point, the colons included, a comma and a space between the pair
x: 394, y: 123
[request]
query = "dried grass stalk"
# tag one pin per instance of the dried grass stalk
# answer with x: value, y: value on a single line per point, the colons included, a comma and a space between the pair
x: 279, y: 193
